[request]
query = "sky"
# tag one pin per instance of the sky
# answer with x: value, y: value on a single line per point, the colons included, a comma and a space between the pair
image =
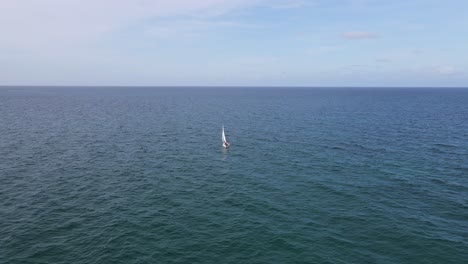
x: 366, y: 43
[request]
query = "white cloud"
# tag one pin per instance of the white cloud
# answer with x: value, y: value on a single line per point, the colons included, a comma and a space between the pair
x: 359, y: 35
x: 53, y: 23
x: 45, y: 41
x: 257, y: 60
x: 290, y: 4
x: 445, y: 70
x: 189, y: 28
x: 323, y: 50
x: 382, y: 60
x: 404, y: 56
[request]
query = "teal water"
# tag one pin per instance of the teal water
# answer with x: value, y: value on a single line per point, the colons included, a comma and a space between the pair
x: 138, y: 175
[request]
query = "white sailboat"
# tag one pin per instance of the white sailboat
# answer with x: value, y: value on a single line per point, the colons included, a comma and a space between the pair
x: 223, y: 137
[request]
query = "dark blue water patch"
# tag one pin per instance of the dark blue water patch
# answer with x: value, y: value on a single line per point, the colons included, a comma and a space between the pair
x: 138, y: 175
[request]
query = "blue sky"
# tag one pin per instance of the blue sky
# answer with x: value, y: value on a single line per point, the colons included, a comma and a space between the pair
x: 234, y: 43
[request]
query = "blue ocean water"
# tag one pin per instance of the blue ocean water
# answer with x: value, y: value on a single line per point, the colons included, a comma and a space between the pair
x: 138, y: 175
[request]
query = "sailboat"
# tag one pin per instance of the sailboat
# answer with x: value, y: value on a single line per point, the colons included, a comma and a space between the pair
x: 223, y: 137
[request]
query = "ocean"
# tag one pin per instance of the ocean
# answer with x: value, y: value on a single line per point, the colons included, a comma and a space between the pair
x: 313, y: 175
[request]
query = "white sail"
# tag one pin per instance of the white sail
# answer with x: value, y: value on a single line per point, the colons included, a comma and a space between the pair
x: 223, y: 136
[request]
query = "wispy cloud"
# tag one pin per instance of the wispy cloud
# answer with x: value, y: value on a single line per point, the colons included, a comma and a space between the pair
x: 189, y: 28
x: 40, y: 23
x: 445, y: 69
x: 359, y: 35
x: 400, y: 55
x: 355, y: 67
x: 323, y: 50
x: 290, y: 4
x: 257, y: 60
x: 164, y: 42
x: 382, y: 60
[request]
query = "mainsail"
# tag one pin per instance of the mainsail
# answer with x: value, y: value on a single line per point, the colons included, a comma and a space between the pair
x: 223, y: 136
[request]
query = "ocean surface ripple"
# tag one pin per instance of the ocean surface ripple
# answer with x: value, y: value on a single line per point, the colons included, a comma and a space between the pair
x: 138, y: 175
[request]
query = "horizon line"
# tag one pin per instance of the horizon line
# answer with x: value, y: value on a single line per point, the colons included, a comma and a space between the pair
x: 230, y: 86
